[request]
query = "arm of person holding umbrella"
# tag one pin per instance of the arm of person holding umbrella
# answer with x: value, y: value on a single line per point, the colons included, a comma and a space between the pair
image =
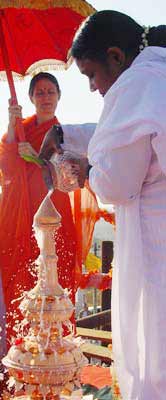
x: 15, y: 113
x: 67, y: 137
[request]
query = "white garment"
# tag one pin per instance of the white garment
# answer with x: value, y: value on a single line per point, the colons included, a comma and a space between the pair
x: 128, y: 155
x: 135, y: 110
x: 77, y: 137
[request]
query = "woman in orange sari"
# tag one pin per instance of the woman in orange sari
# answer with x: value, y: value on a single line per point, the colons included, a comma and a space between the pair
x: 19, y: 203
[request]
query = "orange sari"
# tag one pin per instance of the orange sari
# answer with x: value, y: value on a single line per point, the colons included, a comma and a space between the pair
x: 18, y: 247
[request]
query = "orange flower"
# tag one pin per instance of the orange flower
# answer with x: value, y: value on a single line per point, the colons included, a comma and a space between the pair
x: 96, y: 280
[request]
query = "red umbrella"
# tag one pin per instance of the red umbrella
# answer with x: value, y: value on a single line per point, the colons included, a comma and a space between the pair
x: 37, y: 33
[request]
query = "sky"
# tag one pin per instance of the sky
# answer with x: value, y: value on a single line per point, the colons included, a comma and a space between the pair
x: 77, y: 103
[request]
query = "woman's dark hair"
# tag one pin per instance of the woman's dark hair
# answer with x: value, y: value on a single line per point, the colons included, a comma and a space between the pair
x: 43, y: 75
x: 108, y: 28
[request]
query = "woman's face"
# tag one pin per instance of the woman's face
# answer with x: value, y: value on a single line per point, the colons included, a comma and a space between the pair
x: 45, y: 98
x: 101, y: 76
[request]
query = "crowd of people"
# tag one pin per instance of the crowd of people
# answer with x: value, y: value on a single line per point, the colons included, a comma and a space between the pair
x: 124, y: 163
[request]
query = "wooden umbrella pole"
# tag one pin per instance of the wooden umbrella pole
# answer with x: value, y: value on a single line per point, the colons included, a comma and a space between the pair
x: 6, y: 61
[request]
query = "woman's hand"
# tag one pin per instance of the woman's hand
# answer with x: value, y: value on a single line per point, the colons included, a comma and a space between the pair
x: 15, y: 112
x: 52, y: 143
x: 25, y: 148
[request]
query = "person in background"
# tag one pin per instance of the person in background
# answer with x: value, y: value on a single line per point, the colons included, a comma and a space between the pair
x: 23, y: 190
x: 85, y: 311
x: 126, y: 165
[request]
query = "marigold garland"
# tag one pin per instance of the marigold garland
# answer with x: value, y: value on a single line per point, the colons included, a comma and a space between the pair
x: 116, y: 395
x: 108, y: 217
x: 96, y: 280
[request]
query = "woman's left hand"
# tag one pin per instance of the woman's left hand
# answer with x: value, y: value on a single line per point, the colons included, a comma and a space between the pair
x: 25, y: 148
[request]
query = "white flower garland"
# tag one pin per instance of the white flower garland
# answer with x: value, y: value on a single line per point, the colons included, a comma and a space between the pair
x: 144, y: 42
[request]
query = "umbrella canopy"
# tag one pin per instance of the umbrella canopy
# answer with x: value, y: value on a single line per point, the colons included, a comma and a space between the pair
x: 39, y: 33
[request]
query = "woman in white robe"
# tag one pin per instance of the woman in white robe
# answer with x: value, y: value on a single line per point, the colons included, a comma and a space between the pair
x: 127, y: 155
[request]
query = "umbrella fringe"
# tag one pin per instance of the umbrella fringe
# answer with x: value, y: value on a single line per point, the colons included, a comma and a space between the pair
x: 44, y: 65
x: 3, y: 76
x: 80, y: 6
x: 39, y: 66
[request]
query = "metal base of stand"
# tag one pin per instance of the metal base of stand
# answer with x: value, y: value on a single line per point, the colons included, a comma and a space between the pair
x: 76, y: 396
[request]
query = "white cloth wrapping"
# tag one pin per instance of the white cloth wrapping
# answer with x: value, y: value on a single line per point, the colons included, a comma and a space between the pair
x: 133, y: 122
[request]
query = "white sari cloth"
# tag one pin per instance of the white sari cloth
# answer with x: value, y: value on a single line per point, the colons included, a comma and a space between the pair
x: 135, y: 111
